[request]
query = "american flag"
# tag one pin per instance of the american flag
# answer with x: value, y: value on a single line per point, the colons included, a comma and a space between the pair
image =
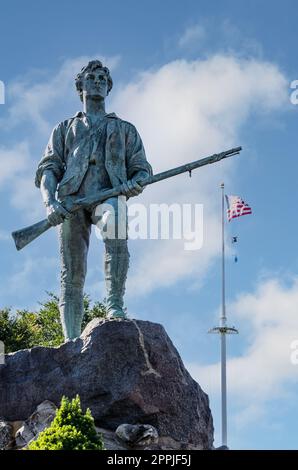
x: 236, y: 207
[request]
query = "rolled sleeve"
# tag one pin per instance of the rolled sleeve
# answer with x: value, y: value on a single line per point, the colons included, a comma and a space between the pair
x: 53, y: 158
x: 136, y: 160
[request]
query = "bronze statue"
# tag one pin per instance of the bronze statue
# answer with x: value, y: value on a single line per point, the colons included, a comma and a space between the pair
x: 87, y: 153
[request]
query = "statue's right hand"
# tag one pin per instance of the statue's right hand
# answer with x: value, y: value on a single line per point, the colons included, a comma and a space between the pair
x: 56, y: 213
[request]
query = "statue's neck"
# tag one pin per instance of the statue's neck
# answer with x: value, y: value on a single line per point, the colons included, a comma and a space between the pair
x: 94, y: 107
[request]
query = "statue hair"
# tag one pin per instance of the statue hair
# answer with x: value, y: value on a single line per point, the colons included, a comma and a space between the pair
x: 91, y: 67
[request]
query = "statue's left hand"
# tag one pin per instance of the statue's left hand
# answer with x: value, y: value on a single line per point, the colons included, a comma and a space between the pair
x: 131, y: 188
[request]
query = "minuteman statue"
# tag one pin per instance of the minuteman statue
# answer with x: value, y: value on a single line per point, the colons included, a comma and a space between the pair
x: 87, y: 153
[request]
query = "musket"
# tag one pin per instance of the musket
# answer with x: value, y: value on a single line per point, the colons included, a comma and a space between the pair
x: 26, y: 235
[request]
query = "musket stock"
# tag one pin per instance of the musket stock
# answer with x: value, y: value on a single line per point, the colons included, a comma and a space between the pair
x: 26, y: 235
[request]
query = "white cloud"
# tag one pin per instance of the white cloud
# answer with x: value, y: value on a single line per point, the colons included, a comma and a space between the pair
x: 13, y: 161
x: 26, y: 198
x: 32, y: 99
x: 210, y: 35
x: 18, y: 179
x: 16, y: 176
x: 261, y: 373
x: 184, y: 110
x: 193, y: 34
x: 20, y: 283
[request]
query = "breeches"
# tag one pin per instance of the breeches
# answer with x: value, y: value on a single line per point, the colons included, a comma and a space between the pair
x: 74, y: 236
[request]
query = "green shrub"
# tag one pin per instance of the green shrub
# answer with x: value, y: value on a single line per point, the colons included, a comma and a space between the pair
x: 70, y: 430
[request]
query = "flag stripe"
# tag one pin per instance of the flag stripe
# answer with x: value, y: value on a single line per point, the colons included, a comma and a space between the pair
x: 236, y: 207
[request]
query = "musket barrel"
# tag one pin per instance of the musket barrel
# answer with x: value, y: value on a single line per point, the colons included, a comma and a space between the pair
x: 26, y: 235
x: 191, y: 166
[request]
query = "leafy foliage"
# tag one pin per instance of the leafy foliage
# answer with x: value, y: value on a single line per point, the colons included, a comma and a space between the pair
x: 25, y: 329
x: 70, y: 430
x: 19, y: 331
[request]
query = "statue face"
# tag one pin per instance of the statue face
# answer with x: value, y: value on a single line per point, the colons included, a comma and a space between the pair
x: 95, y: 84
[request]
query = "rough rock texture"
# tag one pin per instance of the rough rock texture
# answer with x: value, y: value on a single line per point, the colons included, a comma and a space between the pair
x: 6, y: 435
x: 113, y: 442
x: 137, y: 434
x: 124, y: 371
x: 37, y: 422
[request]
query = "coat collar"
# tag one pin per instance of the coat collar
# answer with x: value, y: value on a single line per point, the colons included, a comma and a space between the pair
x: 81, y: 114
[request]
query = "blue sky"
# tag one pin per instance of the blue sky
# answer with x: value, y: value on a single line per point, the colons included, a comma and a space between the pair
x: 195, y: 77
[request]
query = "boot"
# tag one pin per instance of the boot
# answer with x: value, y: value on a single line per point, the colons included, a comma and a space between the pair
x: 116, y: 262
x: 71, y: 311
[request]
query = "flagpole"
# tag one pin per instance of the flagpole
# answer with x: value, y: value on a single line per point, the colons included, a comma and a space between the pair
x: 223, y: 329
x: 223, y: 324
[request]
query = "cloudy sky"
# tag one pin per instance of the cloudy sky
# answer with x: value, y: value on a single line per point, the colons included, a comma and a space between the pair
x: 195, y: 77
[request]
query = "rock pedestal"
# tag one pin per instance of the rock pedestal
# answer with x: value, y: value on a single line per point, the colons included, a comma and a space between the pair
x: 124, y: 371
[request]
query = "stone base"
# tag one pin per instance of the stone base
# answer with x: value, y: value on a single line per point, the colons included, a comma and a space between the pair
x: 124, y: 371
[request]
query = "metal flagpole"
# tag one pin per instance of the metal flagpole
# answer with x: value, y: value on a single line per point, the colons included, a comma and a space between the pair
x: 223, y: 330
x: 223, y: 324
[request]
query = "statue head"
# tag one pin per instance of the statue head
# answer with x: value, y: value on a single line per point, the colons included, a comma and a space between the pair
x: 94, y: 80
